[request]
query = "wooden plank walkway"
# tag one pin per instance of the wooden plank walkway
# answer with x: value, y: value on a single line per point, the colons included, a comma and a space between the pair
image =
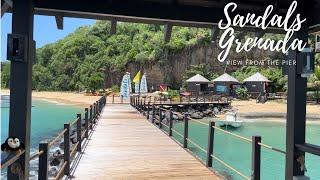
x: 126, y: 146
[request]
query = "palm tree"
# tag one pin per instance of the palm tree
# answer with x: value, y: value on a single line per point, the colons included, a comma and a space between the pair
x: 316, y: 83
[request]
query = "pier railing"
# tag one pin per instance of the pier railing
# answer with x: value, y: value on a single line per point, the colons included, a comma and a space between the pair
x: 155, y: 112
x: 74, y: 135
x: 183, y: 100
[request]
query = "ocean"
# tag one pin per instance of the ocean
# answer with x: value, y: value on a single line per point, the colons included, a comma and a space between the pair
x: 237, y: 153
x: 47, y: 120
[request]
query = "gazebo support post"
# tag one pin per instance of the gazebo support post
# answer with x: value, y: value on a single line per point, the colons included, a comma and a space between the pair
x: 20, y: 81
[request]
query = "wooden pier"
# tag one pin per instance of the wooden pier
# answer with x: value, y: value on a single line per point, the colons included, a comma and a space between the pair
x: 126, y: 146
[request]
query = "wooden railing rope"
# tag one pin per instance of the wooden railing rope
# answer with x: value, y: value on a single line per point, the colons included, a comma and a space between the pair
x: 255, y: 141
x: 230, y: 167
x: 91, y: 115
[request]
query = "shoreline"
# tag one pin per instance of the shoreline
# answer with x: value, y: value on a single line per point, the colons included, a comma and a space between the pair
x: 63, y: 98
x: 248, y: 111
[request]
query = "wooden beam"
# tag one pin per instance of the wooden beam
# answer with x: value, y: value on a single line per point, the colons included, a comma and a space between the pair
x: 167, y: 32
x: 113, y: 29
x: 296, y: 106
x: 146, y: 10
x: 21, y: 83
x: 59, y: 21
x: 108, y: 17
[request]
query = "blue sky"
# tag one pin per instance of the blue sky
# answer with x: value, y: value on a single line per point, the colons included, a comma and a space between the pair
x: 45, y: 30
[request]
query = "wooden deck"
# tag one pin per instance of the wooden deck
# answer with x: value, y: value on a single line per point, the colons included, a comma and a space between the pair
x: 126, y: 146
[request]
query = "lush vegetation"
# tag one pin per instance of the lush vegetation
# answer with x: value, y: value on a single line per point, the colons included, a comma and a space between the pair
x: 80, y: 60
x: 242, y: 93
x: 72, y: 63
x: 274, y: 74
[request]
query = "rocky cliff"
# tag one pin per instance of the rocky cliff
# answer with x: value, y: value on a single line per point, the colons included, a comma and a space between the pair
x: 172, y: 69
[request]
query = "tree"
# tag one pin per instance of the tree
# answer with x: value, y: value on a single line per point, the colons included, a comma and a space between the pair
x: 316, y: 83
x: 5, y: 74
x: 95, y: 82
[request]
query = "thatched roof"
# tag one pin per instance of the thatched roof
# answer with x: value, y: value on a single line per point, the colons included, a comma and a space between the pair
x: 225, y: 78
x: 257, y: 77
x: 198, y: 78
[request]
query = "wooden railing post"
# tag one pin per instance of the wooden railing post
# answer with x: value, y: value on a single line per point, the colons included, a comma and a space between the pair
x: 170, y: 122
x: 140, y: 105
x: 90, y: 119
x: 43, y: 161
x: 148, y: 110
x: 79, y: 132
x: 112, y: 98
x: 185, y: 133
x: 160, y: 117
x: 144, y: 107
x: 94, y: 112
x: 210, y: 144
x: 97, y: 108
x: 256, y: 157
x: 86, y: 120
x: 135, y: 102
x: 153, y: 113
x: 67, y: 149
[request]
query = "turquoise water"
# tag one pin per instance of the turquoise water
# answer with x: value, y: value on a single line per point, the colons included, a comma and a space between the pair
x: 47, y: 120
x: 238, y: 153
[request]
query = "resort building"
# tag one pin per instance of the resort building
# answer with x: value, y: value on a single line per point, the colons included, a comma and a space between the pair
x: 256, y: 84
x: 198, y: 84
x: 226, y: 85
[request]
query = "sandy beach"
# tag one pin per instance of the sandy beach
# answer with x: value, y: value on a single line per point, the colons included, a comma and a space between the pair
x: 248, y: 110
x: 70, y: 98
x: 271, y: 110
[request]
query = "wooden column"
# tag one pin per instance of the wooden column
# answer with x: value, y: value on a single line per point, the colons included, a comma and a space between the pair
x: 66, y: 155
x: 170, y: 122
x: 21, y: 82
x: 43, y: 161
x: 153, y: 113
x: 185, y: 132
x: 86, y: 120
x: 79, y: 132
x: 160, y: 117
x: 90, y: 119
x: 210, y: 144
x: 256, y: 158
x: 296, y: 109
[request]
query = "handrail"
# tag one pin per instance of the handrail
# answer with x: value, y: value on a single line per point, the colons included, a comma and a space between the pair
x: 197, y: 145
x: 74, y: 149
x: 272, y: 148
x: 230, y: 167
x: 95, y: 110
x: 57, y: 137
x: 11, y: 159
x: 255, y: 141
x: 198, y: 121
x: 73, y: 122
x: 35, y: 155
x: 57, y: 177
x: 164, y: 125
x: 83, y: 134
x: 233, y: 134
x: 177, y: 132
